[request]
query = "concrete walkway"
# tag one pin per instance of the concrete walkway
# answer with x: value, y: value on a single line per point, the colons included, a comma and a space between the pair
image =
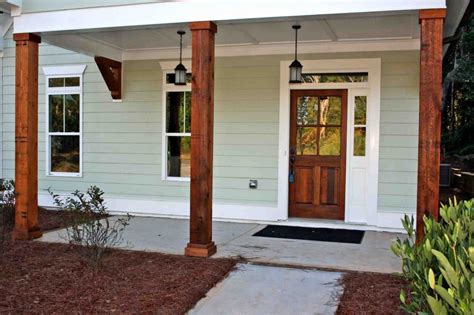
x: 253, y: 289
x: 236, y: 240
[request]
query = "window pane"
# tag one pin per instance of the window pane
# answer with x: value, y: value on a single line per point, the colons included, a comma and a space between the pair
x: 56, y: 82
x: 330, y: 141
x: 74, y: 81
x: 179, y: 156
x: 360, y: 112
x: 359, y: 141
x: 170, y: 78
x: 178, y: 112
x: 335, y: 77
x: 56, y: 107
x: 65, y: 154
x: 306, y: 141
x: 330, y: 109
x: 307, y: 110
x: 72, y: 112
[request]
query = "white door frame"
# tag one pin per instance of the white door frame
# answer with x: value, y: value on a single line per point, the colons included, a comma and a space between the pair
x: 367, y: 213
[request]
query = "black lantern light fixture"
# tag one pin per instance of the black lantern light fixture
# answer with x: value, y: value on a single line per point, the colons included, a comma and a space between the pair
x: 296, y: 68
x: 180, y: 70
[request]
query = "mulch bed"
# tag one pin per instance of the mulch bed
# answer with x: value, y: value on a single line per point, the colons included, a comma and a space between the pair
x: 371, y: 293
x: 52, y: 219
x: 49, y: 278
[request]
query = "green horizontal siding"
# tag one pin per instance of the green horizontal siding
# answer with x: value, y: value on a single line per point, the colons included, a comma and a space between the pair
x: 123, y: 141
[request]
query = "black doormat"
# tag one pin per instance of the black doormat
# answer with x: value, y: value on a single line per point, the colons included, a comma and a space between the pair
x: 312, y: 234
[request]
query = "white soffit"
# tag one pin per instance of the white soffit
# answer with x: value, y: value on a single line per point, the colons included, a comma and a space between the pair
x: 204, y: 10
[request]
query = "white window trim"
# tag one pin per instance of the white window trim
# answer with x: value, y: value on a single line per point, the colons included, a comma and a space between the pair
x: 373, y: 67
x: 63, y: 72
x: 169, y: 87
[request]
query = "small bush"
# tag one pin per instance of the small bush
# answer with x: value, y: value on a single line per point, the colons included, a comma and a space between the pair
x: 7, y: 210
x: 441, y: 267
x: 89, y: 225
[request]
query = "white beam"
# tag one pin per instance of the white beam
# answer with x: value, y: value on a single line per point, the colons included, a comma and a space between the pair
x: 203, y: 10
x: 280, y: 49
x: 328, y: 29
x: 84, y: 45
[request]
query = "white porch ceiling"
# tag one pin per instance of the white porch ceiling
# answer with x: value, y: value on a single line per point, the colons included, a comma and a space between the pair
x: 262, y: 33
x: 313, y: 30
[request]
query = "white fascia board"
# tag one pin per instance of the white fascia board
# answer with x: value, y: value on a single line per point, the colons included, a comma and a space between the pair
x: 203, y: 10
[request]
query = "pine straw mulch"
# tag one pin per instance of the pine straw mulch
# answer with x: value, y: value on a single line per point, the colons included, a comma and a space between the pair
x: 371, y: 293
x: 47, y: 278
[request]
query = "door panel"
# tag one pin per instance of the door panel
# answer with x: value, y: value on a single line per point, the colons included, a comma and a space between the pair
x: 317, y: 153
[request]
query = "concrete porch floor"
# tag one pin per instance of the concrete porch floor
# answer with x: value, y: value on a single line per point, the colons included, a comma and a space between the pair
x: 236, y: 240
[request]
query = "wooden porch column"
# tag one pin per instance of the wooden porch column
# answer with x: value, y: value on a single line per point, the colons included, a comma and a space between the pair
x: 202, y: 130
x: 26, y: 137
x: 429, y: 141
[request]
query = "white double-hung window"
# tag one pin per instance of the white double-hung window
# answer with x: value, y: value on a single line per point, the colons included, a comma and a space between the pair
x: 64, y: 87
x: 176, y: 128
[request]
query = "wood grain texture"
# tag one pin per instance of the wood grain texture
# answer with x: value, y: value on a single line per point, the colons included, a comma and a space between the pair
x: 319, y: 182
x: 202, y: 132
x: 26, y: 137
x: 429, y: 140
x: 111, y: 71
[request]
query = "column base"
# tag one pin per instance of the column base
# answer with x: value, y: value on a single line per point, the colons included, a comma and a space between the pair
x: 22, y: 235
x: 200, y: 250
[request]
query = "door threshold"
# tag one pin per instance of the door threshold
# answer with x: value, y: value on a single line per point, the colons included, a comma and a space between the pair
x: 333, y: 224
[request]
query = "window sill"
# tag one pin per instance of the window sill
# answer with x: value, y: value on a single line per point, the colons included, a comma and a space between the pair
x: 176, y: 179
x: 75, y: 175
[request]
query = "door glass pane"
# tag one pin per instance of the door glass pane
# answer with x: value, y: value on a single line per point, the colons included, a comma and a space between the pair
x: 179, y: 156
x: 330, y: 110
x: 330, y: 141
x: 72, y: 112
x: 360, y: 110
x: 306, y: 141
x: 65, y: 154
x: 56, y: 107
x: 359, y: 141
x: 178, y: 112
x: 307, y: 110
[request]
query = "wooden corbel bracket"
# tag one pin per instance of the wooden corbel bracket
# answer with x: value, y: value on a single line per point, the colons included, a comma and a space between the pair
x: 111, y: 71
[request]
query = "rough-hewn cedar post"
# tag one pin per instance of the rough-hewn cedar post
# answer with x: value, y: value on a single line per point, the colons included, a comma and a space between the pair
x: 26, y: 137
x: 431, y: 57
x: 202, y: 129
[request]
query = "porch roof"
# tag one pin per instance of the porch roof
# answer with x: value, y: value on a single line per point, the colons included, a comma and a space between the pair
x: 148, y: 31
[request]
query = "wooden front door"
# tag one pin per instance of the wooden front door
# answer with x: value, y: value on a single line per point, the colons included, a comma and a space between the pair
x: 317, y: 153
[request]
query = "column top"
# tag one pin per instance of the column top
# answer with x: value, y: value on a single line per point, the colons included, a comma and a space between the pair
x: 432, y: 14
x: 30, y: 37
x: 206, y: 25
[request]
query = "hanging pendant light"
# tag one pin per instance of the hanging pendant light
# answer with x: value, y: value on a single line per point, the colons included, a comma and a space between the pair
x: 180, y: 70
x: 296, y: 68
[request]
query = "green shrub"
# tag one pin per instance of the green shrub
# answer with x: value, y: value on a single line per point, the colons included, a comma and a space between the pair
x: 89, y: 225
x: 7, y: 210
x: 441, y: 267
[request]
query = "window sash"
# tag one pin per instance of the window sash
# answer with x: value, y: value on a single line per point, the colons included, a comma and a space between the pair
x: 169, y: 87
x: 70, y: 90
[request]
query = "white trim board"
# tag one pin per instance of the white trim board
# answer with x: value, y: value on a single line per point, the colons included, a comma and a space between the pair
x: 203, y: 10
x: 366, y: 211
x: 388, y: 222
